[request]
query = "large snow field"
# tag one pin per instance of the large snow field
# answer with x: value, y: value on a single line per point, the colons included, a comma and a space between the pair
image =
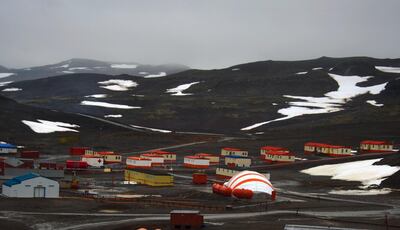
x: 44, y: 126
x: 363, y: 171
x: 178, y: 91
x: 109, y: 105
x: 161, y: 74
x: 331, y: 102
x: 117, y: 84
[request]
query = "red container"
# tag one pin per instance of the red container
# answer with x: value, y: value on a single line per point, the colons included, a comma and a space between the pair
x: 243, y: 193
x: 30, y: 154
x: 47, y: 165
x: 186, y: 219
x: 199, y: 178
x: 77, y: 151
x: 221, y: 189
x: 76, y: 164
x: 226, y: 191
x: 28, y: 164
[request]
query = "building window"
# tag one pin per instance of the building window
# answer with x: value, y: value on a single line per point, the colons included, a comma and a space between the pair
x: 28, y: 185
x: 51, y: 185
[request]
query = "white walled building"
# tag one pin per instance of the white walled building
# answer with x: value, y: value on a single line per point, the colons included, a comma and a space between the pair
x: 31, y: 185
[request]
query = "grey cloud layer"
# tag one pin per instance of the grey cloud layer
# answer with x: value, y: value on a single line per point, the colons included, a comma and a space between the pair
x: 201, y: 34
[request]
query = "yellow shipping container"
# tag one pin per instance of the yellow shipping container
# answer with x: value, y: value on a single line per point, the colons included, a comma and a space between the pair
x: 149, y: 177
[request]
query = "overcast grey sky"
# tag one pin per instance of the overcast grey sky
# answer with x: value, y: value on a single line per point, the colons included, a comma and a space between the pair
x: 201, y: 34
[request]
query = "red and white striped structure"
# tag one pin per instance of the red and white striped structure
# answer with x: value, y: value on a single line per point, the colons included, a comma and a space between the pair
x: 234, y: 152
x: 214, y: 159
x: 156, y: 160
x: 251, y: 180
x: 369, y: 146
x: 327, y: 149
x: 168, y: 156
x: 195, y: 162
x: 93, y: 161
x: 138, y: 162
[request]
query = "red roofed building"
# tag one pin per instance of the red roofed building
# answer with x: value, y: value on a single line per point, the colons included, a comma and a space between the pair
x: 214, y: 159
x: 110, y: 157
x: 156, y: 160
x: 327, y: 149
x: 279, y: 157
x: 234, y: 152
x: 195, y: 162
x: 168, y: 156
x: 369, y: 146
x: 137, y: 162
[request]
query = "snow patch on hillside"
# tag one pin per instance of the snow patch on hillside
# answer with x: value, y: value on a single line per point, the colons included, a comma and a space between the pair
x: 178, y: 91
x: 109, y: 105
x: 374, y: 103
x: 4, y: 83
x: 363, y: 171
x: 388, y: 69
x: 123, y: 66
x: 301, y: 73
x: 78, y: 68
x: 113, y: 115
x: 332, y: 102
x: 67, y: 72
x: 3, y: 75
x: 117, y: 84
x: 44, y: 126
x: 11, y: 89
x: 152, y: 129
x: 317, y: 68
x: 97, y: 96
x: 161, y: 74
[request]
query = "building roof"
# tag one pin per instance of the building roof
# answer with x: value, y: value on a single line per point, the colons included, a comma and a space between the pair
x: 323, y: 145
x: 162, y: 152
x: 150, y: 155
x: 232, y: 149
x: 19, y: 179
x: 139, y: 158
x: 196, y: 157
x: 371, y: 142
x: 107, y: 153
x: 91, y: 156
x: 280, y: 153
x: 185, y: 212
x: 250, y: 180
x: 273, y: 148
x: 7, y: 146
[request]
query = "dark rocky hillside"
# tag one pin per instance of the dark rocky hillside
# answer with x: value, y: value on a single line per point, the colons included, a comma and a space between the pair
x: 91, y: 132
x: 227, y: 100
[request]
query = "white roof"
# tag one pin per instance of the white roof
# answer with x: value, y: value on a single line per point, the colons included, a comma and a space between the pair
x: 250, y: 180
